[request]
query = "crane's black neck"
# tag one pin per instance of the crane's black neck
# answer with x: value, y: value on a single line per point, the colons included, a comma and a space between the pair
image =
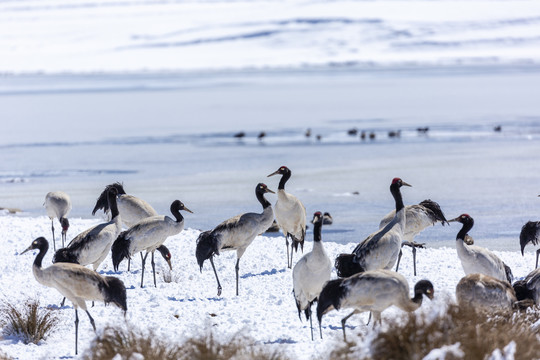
x: 43, y: 248
x: 417, y: 299
x: 262, y: 200
x: 467, y: 225
x: 113, y: 206
x: 175, y: 210
x: 396, y: 193
x: 284, y: 178
x: 317, y: 231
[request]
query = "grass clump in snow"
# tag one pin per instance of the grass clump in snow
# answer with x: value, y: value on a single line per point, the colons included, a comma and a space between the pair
x: 136, y: 344
x: 455, y: 334
x: 29, y: 322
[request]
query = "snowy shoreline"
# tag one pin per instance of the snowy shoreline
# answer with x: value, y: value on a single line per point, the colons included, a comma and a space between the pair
x: 188, y: 305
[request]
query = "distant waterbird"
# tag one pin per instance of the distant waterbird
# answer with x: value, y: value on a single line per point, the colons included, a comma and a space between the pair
x: 132, y: 209
x: 77, y: 283
x: 148, y: 235
x: 379, y: 250
x: 374, y: 291
x: 311, y: 272
x: 290, y: 215
x: 92, y: 245
x: 58, y: 205
x: 476, y: 259
x: 236, y: 233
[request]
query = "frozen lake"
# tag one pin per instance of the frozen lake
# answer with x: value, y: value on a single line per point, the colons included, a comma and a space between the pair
x: 168, y: 136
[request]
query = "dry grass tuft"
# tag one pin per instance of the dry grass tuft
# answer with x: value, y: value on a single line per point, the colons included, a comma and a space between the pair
x: 31, y: 323
x: 415, y: 335
x: 134, y: 344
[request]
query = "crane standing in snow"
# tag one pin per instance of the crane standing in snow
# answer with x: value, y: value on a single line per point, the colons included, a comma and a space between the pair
x: 148, y: 235
x: 58, y: 205
x: 380, y: 249
x: 236, y: 233
x: 311, y: 272
x: 290, y: 215
x: 77, y: 283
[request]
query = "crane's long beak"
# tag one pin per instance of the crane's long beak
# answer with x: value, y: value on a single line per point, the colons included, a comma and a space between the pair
x: 27, y: 249
x: 269, y: 191
x: 453, y: 220
x: 403, y: 183
x: 186, y: 209
x: 169, y: 262
x: 274, y: 173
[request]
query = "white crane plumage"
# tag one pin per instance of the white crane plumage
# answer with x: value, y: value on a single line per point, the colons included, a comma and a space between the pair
x: 77, y: 283
x: 485, y: 293
x: 290, y: 214
x: 476, y: 259
x: 418, y: 217
x: 379, y: 250
x: 58, y: 205
x: 92, y: 245
x: 131, y: 208
x: 148, y: 235
x: 374, y: 291
x: 311, y: 272
x: 236, y: 233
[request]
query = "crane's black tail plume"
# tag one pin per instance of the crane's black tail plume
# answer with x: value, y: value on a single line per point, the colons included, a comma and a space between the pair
x: 207, y: 246
x: 120, y: 250
x: 296, y: 241
x: 64, y: 255
x: 102, y: 201
x: 509, y: 275
x: 331, y: 295
x: 346, y: 266
x: 114, y: 291
x: 528, y: 234
x: 436, y: 212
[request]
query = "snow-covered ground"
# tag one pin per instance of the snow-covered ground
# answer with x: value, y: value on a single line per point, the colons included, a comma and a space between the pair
x: 188, y: 306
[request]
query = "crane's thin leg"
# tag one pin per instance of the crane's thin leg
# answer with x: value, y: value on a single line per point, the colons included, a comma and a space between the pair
x: 143, y: 262
x: 344, y: 320
x: 63, y: 238
x: 310, y: 321
x: 399, y: 259
x: 369, y: 319
x: 287, y: 245
x: 76, y: 329
x: 537, y: 254
x: 53, y: 240
x: 153, y: 269
x: 414, y: 259
x: 63, y: 301
x: 215, y: 273
x: 91, y: 320
x: 237, y: 267
x: 129, y: 263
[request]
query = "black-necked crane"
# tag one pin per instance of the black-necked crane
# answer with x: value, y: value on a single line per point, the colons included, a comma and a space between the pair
x: 476, y: 259
x: 132, y: 209
x: 290, y: 215
x: 92, y: 245
x: 311, y: 272
x: 379, y: 250
x: 373, y: 291
x: 58, y: 205
x: 148, y: 235
x: 530, y: 233
x: 77, y: 283
x: 418, y: 217
x: 236, y: 233
x: 529, y: 288
x: 485, y: 293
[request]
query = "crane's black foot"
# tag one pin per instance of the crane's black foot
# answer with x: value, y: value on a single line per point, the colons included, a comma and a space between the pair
x: 219, y: 290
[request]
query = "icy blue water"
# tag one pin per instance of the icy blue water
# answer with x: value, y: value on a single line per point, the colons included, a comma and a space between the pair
x: 174, y: 141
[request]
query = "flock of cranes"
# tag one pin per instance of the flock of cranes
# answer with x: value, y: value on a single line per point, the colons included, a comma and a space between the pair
x: 366, y: 281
